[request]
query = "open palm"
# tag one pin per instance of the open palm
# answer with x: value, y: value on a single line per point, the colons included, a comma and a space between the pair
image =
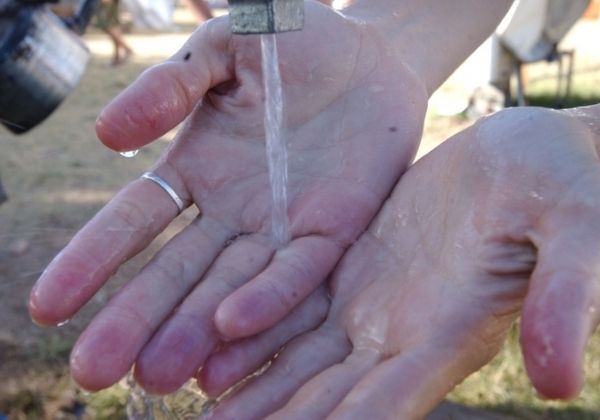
x: 501, y: 219
x: 353, y: 121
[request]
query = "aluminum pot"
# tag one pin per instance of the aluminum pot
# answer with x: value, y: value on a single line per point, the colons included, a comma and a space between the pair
x: 41, y: 61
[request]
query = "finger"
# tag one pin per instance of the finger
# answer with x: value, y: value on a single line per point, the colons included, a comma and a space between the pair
x: 233, y: 363
x: 305, y: 357
x: 318, y: 397
x: 293, y: 274
x: 185, y: 340
x: 124, y: 227
x: 411, y: 384
x: 562, y: 307
x: 109, y: 346
x: 166, y: 93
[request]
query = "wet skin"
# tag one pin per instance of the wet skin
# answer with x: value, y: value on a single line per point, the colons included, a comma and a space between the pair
x: 356, y: 87
x: 497, y: 222
x: 343, y: 163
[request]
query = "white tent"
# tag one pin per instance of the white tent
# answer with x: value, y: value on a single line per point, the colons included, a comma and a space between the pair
x: 532, y: 28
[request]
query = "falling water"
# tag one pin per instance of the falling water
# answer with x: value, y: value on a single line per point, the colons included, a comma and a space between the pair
x: 276, y: 146
x: 187, y: 403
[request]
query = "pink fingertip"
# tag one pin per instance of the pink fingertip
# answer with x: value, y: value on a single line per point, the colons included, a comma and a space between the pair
x: 49, y: 305
x: 95, y: 365
x: 238, y: 318
x: 211, y: 382
x: 219, y: 373
x: 38, y: 315
x: 120, y: 137
x: 553, y: 353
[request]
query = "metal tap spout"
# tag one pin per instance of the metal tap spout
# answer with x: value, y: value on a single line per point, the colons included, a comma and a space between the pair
x: 266, y: 16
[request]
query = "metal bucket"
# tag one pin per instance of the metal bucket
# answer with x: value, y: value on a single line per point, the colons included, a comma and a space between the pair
x: 41, y: 62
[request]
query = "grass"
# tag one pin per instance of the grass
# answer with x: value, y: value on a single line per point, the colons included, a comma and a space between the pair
x: 106, y: 405
x: 502, y: 386
x: 54, y: 349
x: 541, y: 89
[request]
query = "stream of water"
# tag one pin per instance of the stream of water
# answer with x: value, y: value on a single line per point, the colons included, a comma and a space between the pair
x: 275, y: 142
x: 189, y: 402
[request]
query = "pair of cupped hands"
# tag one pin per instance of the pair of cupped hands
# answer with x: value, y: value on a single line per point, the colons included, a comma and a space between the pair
x: 397, y: 283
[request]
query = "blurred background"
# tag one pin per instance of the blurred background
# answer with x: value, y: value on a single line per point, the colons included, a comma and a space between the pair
x: 57, y: 175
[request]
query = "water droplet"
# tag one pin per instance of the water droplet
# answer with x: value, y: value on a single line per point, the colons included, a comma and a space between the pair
x: 63, y: 323
x: 535, y: 195
x: 130, y: 153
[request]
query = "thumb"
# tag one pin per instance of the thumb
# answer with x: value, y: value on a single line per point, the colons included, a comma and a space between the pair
x: 562, y: 308
x: 414, y: 382
x: 166, y: 93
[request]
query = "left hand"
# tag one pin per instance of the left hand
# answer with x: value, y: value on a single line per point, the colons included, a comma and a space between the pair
x: 501, y: 219
x: 354, y: 119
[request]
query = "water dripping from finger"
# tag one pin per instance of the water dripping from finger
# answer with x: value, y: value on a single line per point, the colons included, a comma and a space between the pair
x: 130, y: 153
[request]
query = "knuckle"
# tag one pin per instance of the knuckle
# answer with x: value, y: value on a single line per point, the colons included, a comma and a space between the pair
x: 126, y: 314
x: 130, y: 216
x: 230, y: 277
x: 172, y: 269
x: 299, y: 266
x: 275, y: 290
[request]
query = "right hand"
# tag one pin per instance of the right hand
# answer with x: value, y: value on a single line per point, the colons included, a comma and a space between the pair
x: 501, y: 220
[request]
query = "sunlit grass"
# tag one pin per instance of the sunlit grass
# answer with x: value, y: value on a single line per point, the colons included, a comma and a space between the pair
x: 542, y: 88
x: 503, y: 386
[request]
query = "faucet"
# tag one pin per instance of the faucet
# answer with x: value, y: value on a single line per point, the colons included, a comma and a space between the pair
x: 266, y: 16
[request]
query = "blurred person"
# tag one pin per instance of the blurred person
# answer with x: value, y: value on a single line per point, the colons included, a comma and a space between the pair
x: 64, y: 8
x: 107, y: 19
x: 200, y: 9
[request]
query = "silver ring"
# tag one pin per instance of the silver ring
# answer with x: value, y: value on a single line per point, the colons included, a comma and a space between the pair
x: 166, y: 187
